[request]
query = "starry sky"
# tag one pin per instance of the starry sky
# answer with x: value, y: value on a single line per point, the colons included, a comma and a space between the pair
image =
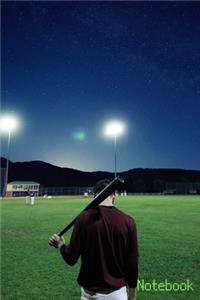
x: 69, y: 67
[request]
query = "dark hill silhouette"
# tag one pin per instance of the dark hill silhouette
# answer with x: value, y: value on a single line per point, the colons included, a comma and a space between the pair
x: 50, y: 175
x: 136, y: 180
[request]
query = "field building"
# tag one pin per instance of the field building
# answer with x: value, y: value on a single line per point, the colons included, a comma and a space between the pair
x: 22, y: 188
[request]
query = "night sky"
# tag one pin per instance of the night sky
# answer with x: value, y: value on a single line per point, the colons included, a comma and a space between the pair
x: 69, y: 67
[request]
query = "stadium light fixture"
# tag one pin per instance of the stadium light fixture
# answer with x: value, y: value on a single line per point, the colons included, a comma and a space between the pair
x: 114, y: 129
x: 7, y: 124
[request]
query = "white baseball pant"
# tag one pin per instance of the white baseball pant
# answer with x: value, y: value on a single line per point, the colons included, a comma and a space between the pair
x: 120, y: 294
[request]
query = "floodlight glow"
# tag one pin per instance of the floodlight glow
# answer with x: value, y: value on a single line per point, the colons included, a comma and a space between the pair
x: 114, y: 128
x: 8, y: 123
x: 79, y: 135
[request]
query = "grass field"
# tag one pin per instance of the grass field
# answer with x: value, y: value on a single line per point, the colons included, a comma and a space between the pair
x: 169, y: 243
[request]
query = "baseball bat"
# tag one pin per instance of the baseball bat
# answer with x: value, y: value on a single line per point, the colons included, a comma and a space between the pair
x: 107, y: 191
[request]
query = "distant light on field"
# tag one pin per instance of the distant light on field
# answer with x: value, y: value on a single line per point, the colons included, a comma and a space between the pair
x: 79, y: 136
x: 114, y: 128
x: 8, y: 123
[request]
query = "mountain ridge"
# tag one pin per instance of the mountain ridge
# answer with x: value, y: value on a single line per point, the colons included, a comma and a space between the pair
x: 136, y: 180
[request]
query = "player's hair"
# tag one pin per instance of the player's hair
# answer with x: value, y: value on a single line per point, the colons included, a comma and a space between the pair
x: 100, y: 185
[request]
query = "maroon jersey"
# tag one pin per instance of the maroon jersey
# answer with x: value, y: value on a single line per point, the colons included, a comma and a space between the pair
x: 106, y: 240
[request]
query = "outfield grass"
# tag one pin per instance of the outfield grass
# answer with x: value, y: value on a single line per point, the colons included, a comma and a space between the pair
x: 168, y: 232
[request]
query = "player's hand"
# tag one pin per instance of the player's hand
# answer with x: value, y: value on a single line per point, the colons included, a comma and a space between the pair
x: 56, y: 241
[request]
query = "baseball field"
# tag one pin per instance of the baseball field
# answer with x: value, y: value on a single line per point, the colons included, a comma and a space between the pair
x: 169, y: 244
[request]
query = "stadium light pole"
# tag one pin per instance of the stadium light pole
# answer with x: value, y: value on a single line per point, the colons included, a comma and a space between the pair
x: 114, y: 129
x: 7, y: 124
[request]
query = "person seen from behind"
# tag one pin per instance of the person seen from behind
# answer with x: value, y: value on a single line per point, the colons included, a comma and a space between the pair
x: 105, y: 238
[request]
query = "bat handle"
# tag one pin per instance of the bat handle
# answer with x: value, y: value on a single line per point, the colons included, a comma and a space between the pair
x: 65, y: 229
